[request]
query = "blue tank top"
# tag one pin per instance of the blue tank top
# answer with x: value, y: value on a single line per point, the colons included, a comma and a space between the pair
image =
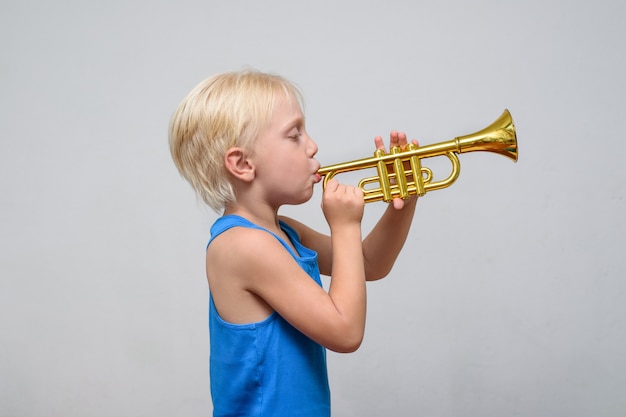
x: 268, y: 368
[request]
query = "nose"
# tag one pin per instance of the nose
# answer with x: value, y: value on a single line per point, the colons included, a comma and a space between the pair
x: 312, y: 148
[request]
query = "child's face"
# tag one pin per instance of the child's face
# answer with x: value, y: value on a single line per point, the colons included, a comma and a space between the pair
x: 284, y: 157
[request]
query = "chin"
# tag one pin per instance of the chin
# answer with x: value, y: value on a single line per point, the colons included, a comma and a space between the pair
x: 303, y: 198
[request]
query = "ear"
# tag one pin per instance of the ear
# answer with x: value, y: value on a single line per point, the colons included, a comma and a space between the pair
x: 238, y: 164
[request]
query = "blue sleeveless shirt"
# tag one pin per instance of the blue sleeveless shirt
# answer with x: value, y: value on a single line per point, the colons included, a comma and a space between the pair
x: 267, y: 368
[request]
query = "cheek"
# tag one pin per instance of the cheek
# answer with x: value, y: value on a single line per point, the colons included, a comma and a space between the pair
x: 284, y: 160
x: 278, y: 166
x: 284, y: 164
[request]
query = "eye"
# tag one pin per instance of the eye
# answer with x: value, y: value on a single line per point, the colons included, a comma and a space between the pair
x: 295, y: 135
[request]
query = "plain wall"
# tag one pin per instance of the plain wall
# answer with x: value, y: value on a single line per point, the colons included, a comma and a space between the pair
x: 509, y: 298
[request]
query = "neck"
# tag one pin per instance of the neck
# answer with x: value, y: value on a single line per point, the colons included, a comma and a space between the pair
x: 259, y: 214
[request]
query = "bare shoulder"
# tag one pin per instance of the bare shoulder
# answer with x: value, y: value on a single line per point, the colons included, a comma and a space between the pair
x: 234, y: 263
x: 234, y: 256
x: 237, y: 242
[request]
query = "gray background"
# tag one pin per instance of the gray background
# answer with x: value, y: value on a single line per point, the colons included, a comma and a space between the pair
x: 509, y: 298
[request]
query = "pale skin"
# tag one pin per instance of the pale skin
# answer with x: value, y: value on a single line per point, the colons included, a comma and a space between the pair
x: 250, y: 273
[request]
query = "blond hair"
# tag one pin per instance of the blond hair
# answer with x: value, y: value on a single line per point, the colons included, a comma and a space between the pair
x: 224, y: 111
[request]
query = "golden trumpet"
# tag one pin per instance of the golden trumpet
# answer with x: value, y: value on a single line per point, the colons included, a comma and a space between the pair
x: 400, y: 172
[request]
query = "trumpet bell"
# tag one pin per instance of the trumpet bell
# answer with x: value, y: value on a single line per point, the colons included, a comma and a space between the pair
x: 499, y: 137
x: 401, y: 174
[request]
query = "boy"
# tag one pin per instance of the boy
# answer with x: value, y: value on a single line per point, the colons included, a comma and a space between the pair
x: 240, y: 140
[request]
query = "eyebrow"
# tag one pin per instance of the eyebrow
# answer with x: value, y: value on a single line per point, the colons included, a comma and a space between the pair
x: 295, y: 122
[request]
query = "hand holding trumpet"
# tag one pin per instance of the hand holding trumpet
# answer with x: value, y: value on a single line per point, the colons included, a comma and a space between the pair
x: 396, y: 140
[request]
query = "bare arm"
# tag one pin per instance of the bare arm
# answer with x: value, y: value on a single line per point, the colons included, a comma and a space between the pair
x: 383, y: 244
x: 248, y: 282
x: 343, y: 209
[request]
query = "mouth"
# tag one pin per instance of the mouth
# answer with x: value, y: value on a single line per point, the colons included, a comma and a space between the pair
x: 317, y: 176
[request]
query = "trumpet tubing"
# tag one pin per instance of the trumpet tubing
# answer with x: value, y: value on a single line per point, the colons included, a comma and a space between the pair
x: 400, y: 172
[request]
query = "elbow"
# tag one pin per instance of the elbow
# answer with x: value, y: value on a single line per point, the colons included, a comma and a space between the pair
x: 348, y: 348
x: 375, y: 275
x: 346, y: 343
x: 377, y: 270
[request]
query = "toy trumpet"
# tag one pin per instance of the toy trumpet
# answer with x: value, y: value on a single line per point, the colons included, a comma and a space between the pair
x: 401, y: 174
